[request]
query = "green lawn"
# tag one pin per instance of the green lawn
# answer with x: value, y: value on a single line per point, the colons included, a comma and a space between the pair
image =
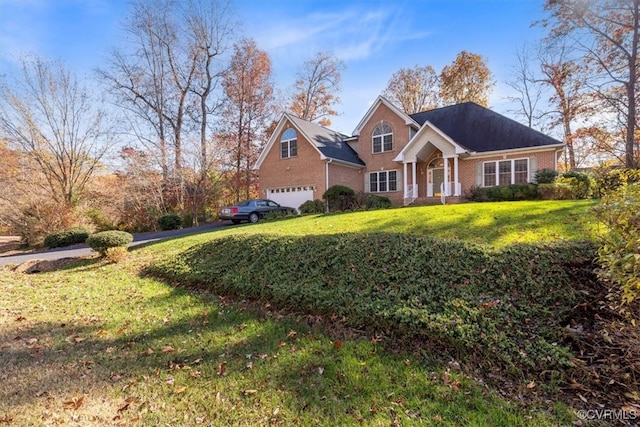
x: 99, y: 344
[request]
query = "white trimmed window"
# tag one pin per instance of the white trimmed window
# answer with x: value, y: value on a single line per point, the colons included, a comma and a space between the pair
x: 505, y: 172
x: 289, y: 144
x: 382, y: 138
x: 383, y: 181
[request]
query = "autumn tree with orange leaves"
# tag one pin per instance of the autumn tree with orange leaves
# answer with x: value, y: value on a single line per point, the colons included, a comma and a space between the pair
x: 468, y: 78
x: 316, y: 89
x: 246, y: 116
x: 413, y: 89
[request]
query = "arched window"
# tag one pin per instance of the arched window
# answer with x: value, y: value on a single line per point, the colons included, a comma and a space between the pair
x: 288, y: 144
x: 382, y: 138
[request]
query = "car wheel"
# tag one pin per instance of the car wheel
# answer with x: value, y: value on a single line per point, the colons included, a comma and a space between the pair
x: 235, y: 221
x: 253, y: 218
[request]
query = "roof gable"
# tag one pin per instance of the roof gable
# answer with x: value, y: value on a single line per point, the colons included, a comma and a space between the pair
x: 379, y: 101
x: 480, y: 129
x: 329, y: 143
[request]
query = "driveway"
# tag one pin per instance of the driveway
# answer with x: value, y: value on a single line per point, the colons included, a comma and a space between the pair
x: 76, y: 251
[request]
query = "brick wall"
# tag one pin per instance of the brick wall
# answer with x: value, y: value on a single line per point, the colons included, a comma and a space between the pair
x: 384, y: 161
x: 546, y: 160
x: 304, y: 169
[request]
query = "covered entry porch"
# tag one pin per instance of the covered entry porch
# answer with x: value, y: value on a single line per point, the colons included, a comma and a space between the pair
x: 433, y: 177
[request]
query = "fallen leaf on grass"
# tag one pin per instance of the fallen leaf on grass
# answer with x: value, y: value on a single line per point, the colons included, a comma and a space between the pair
x: 337, y: 344
x: 222, y: 368
x: 292, y: 334
x: 101, y: 333
x: 179, y: 390
x: 531, y: 385
x: 167, y: 349
x: 249, y: 391
x: 74, y: 403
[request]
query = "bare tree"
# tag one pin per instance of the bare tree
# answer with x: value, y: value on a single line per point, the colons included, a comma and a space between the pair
x: 169, y: 78
x: 528, y: 91
x: 46, y: 112
x: 607, y: 34
x: 414, y: 90
x: 316, y: 89
x: 569, y: 101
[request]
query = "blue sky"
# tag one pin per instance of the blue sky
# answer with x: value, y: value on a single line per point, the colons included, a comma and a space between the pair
x: 374, y: 38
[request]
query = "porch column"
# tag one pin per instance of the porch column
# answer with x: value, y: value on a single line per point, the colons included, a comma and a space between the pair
x: 413, y: 179
x: 456, y: 191
x: 405, y: 179
x: 447, y: 184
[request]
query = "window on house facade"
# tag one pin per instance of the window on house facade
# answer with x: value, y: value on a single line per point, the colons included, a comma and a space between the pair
x: 489, y: 174
x: 521, y: 171
x: 383, y: 181
x: 505, y: 172
x: 382, y: 138
x: 288, y: 144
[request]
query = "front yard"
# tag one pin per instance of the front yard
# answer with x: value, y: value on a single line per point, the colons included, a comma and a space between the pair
x: 99, y: 344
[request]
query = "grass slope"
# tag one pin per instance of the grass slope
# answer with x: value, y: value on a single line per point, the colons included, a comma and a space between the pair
x: 100, y: 344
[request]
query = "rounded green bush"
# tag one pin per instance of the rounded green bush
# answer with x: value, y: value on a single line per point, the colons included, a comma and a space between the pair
x: 104, y: 240
x: 312, y: 207
x: 66, y: 237
x: 546, y: 176
x: 377, y: 202
x: 340, y: 198
x: 170, y: 222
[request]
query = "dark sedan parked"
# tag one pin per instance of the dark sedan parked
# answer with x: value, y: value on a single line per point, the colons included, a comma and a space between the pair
x: 253, y: 210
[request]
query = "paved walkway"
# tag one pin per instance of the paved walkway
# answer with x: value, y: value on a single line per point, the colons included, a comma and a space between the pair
x: 81, y: 250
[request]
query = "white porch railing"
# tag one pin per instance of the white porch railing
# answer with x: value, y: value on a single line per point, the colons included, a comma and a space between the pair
x: 411, y: 194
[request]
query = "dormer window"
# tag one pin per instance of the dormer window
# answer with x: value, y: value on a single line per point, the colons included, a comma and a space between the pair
x: 382, y: 138
x: 289, y: 144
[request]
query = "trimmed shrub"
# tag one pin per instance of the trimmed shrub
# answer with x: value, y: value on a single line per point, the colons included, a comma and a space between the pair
x: 373, y: 201
x: 546, y: 176
x: 368, y: 201
x: 556, y: 191
x: 579, y: 183
x: 104, y: 240
x: 170, y: 222
x: 340, y: 198
x: 504, y: 193
x: 619, y: 253
x: 187, y: 220
x: 66, y: 237
x: 312, y: 207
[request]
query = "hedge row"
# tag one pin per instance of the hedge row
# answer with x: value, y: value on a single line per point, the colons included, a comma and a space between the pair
x: 501, y: 307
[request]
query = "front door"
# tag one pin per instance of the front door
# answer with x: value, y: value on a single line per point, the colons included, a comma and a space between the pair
x: 437, y: 179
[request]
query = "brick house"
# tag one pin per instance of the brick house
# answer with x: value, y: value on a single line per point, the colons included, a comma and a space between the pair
x: 407, y: 158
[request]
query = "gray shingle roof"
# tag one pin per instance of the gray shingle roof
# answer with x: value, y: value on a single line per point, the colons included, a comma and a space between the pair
x: 479, y: 129
x: 330, y: 143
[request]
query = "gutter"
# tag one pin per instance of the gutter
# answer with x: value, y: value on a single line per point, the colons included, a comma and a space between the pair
x: 326, y: 184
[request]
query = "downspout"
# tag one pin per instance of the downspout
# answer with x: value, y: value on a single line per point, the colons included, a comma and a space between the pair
x: 326, y: 182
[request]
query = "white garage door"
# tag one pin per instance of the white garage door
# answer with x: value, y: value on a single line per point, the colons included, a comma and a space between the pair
x: 290, y: 196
